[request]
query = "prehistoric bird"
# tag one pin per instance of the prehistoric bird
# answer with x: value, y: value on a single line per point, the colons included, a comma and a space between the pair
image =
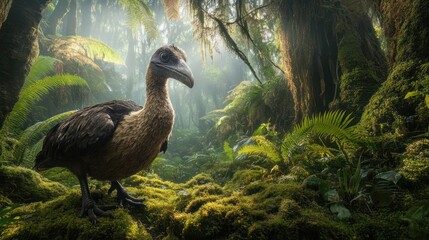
x: 116, y: 139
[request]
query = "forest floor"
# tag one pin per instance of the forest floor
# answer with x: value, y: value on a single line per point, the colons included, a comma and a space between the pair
x: 249, y: 206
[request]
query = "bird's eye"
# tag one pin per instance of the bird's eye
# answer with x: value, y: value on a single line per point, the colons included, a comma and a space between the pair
x: 164, y: 57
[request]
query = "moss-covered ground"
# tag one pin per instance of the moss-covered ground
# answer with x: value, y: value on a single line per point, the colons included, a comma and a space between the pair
x: 248, y: 206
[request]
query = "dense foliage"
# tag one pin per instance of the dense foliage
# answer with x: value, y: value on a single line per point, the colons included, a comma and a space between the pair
x: 301, y: 125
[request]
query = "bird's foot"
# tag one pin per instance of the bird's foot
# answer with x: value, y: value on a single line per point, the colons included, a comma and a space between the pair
x: 123, y: 197
x: 90, y: 209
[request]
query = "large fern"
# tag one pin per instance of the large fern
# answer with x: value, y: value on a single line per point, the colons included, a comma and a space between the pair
x: 34, y: 133
x: 263, y: 147
x: 28, y: 98
x: 245, y: 109
x: 83, y: 49
x: 42, y: 67
x: 333, y: 124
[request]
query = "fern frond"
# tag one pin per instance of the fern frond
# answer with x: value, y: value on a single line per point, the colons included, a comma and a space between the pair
x: 43, y: 66
x: 76, y: 46
x: 229, y: 152
x: 263, y: 147
x: 334, y: 124
x: 171, y: 8
x: 139, y: 13
x: 29, y: 97
x: 34, y: 133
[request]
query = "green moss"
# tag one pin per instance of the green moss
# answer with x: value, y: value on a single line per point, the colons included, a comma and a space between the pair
x: 310, y: 224
x: 196, y: 203
x: 4, y: 202
x: 362, y: 66
x: 413, y: 37
x: 388, y: 111
x: 415, y: 162
x: 148, y: 179
x: 207, y: 189
x: 59, y: 219
x: 215, y: 220
x: 383, y: 226
x: 244, y: 177
x: 199, y: 179
x: 23, y: 185
x: 61, y: 175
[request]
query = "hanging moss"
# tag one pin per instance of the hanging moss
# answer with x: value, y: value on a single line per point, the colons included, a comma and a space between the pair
x: 22, y: 185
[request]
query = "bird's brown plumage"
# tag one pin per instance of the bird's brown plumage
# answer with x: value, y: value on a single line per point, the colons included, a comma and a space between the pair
x: 117, y: 139
x: 114, y: 140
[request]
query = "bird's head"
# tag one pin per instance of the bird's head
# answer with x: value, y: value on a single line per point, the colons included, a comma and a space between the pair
x: 170, y: 62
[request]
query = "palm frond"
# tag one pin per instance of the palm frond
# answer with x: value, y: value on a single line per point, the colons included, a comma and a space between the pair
x: 334, y: 124
x: 139, y: 13
x: 42, y: 67
x: 263, y: 147
x: 29, y: 97
x: 171, y: 8
x: 70, y: 47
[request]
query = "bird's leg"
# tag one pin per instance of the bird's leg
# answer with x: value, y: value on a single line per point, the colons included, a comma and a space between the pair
x: 123, y: 196
x: 88, y: 205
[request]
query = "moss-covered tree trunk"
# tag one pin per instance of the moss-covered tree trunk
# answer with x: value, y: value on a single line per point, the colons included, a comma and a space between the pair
x: 18, y: 48
x: 362, y: 65
x: 331, y: 55
x: 407, y: 33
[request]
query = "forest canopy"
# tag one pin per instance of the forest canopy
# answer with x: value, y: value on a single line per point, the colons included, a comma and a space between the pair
x: 307, y: 119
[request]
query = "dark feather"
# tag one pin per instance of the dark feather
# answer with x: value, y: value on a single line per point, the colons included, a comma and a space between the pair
x: 84, y: 131
x: 164, y: 147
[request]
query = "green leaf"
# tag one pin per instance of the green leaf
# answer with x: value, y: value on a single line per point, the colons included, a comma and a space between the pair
x: 44, y: 66
x: 139, y: 14
x: 390, y: 176
x: 29, y: 97
x: 341, y: 211
x: 331, y: 196
x: 427, y: 100
x: 229, y: 152
x: 411, y: 94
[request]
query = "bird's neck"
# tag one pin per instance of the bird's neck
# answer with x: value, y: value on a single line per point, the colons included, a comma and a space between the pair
x: 156, y: 89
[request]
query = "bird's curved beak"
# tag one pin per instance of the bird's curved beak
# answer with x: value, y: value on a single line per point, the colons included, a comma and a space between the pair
x: 182, y: 73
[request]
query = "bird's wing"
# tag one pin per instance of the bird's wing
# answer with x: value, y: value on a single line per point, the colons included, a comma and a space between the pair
x: 85, y: 130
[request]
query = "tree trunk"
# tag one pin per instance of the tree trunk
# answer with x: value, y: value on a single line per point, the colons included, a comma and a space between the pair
x: 331, y: 55
x: 86, y: 22
x: 60, y: 11
x: 309, y: 52
x: 70, y: 25
x: 407, y: 34
x: 4, y: 10
x: 362, y: 65
x: 18, y: 47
